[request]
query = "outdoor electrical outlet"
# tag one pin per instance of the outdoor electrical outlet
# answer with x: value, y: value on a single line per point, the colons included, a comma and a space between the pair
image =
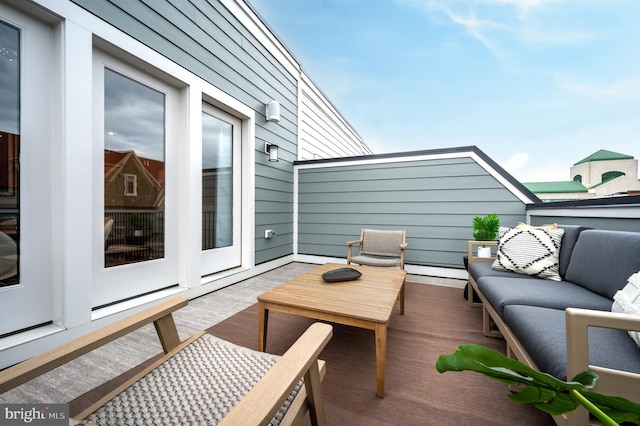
x: 269, y: 233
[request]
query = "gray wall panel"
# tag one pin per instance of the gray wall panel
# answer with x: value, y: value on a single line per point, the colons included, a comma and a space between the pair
x: 434, y: 200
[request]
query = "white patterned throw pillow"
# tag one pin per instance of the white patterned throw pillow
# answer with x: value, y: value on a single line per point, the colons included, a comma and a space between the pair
x: 627, y: 301
x: 529, y: 251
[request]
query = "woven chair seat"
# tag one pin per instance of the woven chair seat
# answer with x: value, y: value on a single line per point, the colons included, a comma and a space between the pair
x: 199, y: 385
x: 374, y: 261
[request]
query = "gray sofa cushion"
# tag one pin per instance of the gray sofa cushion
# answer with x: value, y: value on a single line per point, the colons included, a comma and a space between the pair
x: 569, y: 239
x: 542, y: 332
x: 484, y: 269
x: 502, y: 291
x: 602, y: 261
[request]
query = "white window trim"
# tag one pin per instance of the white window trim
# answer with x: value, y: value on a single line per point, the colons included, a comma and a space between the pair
x: 133, y: 180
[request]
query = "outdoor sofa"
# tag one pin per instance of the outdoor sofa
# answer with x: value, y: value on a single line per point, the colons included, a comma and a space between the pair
x: 565, y: 327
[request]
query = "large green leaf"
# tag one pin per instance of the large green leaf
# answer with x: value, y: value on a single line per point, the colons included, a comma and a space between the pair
x: 544, y: 391
x: 619, y: 409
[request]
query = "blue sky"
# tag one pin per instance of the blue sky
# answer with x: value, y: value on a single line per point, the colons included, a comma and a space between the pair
x: 536, y: 84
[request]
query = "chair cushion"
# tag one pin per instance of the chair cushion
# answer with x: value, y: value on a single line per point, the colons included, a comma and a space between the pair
x: 602, y: 261
x: 199, y: 385
x: 503, y: 291
x: 374, y: 261
x: 542, y: 332
x: 530, y: 251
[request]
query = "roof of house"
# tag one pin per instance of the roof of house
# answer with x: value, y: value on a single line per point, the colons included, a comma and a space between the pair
x: 555, y: 187
x: 604, y: 155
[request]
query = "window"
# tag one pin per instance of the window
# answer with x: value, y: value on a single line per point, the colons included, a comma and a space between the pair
x: 134, y: 147
x: 28, y: 137
x: 130, y: 185
x: 9, y: 153
x: 611, y: 175
x: 221, y: 190
x: 577, y: 178
x: 137, y: 126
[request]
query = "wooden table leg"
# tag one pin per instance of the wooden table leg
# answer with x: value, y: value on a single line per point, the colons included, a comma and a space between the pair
x: 263, y: 321
x: 381, y: 356
x: 402, y: 299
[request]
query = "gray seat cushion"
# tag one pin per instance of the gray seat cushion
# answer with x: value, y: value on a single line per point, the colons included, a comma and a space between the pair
x: 502, y: 291
x: 603, y: 261
x: 542, y: 332
x: 484, y: 269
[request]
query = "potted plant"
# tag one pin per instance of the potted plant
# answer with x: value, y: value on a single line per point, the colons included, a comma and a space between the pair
x: 485, y: 229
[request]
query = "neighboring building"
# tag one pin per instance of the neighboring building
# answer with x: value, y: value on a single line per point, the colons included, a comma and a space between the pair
x: 602, y: 174
x: 130, y: 181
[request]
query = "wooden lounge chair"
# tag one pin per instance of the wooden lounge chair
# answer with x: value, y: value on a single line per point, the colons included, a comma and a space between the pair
x: 378, y: 248
x: 246, y: 395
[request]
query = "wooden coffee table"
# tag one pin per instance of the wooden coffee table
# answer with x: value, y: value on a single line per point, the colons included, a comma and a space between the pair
x: 365, y: 303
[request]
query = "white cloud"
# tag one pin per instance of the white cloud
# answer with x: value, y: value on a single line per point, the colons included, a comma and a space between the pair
x: 476, y: 27
x: 518, y: 165
x: 516, y: 162
x: 544, y: 173
x: 626, y: 88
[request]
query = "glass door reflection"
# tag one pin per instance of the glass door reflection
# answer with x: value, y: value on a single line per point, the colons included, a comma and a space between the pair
x: 217, y: 182
x: 134, y: 170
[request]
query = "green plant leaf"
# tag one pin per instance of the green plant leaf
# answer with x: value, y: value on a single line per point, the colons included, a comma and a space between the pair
x: 544, y: 391
x: 619, y: 409
x: 587, y: 378
x: 531, y: 395
x: 560, y: 404
x: 485, y: 228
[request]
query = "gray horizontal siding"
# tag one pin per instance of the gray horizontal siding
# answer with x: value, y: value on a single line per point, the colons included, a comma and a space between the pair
x: 205, y: 38
x: 433, y: 200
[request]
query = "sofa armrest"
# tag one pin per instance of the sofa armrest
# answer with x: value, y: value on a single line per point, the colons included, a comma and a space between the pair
x: 470, y: 251
x: 578, y: 321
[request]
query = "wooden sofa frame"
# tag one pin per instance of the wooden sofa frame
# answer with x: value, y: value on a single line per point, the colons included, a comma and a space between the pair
x: 257, y: 407
x: 578, y: 321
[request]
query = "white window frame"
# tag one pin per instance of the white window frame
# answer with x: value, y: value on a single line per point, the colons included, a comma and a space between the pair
x: 131, y: 280
x: 38, y: 137
x: 132, y: 180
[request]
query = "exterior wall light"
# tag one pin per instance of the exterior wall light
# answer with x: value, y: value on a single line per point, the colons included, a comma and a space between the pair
x: 273, y: 111
x: 271, y: 150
